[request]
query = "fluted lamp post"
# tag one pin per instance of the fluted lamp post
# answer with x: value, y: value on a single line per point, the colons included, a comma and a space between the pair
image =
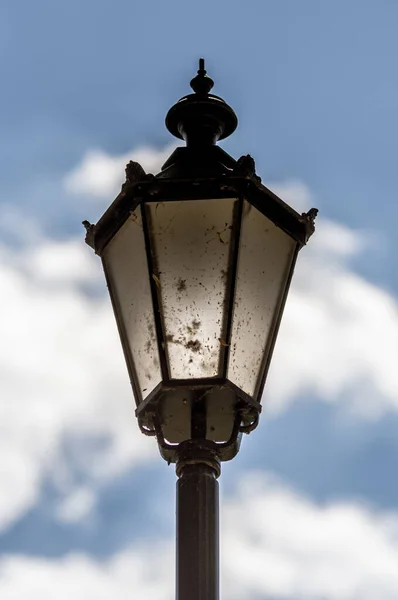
x: 198, y: 261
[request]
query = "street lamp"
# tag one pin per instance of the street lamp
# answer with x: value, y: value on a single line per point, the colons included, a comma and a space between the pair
x: 198, y: 261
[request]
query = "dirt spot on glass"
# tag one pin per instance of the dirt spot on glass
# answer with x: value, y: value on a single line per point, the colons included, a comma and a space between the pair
x: 151, y: 330
x: 182, y: 285
x: 210, y: 367
x: 194, y: 327
x: 193, y: 345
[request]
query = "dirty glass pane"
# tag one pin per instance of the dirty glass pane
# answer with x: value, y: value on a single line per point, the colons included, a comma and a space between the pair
x: 126, y: 265
x: 264, y: 261
x: 191, y: 242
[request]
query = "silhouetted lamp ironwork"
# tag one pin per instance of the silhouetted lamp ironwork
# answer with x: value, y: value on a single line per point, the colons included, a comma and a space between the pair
x: 198, y: 260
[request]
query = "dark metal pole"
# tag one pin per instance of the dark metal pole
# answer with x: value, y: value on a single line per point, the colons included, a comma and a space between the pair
x: 197, y: 527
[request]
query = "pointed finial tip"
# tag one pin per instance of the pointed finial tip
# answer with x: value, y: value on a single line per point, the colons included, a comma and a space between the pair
x: 201, y: 83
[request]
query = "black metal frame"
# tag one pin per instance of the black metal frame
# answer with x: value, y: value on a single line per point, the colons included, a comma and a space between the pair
x: 200, y: 171
x: 231, y: 184
x: 247, y: 412
x: 156, y: 298
x: 299, y: 227
x: 231, y: 284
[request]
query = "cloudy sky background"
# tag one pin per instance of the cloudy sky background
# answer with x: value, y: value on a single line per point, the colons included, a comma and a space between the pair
x: 310, y: 505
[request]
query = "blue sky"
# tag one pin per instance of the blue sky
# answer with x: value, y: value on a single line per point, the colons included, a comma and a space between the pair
x: 86, y: 499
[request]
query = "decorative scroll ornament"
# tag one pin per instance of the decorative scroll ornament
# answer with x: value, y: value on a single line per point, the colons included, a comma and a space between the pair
x: 308, y: 219
x: 246, y: 167
x: 135, y: 174
x: 90, y: 233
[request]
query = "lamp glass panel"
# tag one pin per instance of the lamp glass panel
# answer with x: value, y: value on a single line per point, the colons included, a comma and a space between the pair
x: 126, y: 265
x: 191, y: 245
x: 264, y: 263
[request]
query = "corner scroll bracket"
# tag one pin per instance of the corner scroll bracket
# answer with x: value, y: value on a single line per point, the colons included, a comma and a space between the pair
x: 135, y: 174
x: 308, y: 218
x: 246, y: 167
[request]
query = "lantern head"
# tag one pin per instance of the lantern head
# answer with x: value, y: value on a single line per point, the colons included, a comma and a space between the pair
x: 198, y: 260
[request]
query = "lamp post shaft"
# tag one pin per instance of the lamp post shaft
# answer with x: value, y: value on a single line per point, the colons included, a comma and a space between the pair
x: 197, y: 533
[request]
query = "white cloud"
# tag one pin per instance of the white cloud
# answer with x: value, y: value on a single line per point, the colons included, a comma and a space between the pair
x: 78, y: 505
x: 276, y: 544
x: 293, y: 192
x: 61, y: 372
x: 339, y: 333
x: 100, y: 175
x: 21, y: 228
x: 132, y: 574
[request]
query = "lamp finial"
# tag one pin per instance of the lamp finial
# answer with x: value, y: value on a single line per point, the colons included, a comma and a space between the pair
x: 202, y: 83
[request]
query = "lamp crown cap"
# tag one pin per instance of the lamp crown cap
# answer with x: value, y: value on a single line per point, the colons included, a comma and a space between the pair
x: 201, y: 118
